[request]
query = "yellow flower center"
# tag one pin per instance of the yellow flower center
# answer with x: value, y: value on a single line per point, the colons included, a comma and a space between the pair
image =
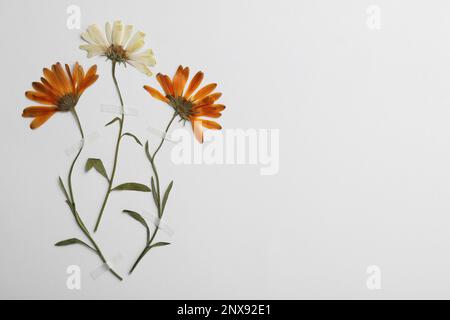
x: 67, y: 102
x: 182, y: 106
x: 116, y: 53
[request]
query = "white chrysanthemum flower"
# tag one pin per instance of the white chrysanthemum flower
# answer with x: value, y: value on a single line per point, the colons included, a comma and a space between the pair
x: 119, y: 45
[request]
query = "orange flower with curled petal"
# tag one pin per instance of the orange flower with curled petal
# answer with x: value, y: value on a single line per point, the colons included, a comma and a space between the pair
x: 59, y: 90
x: 188, y: 105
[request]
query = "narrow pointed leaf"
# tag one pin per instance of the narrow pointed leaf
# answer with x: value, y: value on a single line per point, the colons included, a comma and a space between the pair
x: 136, y: 216
x: 159, y: 244
x: 61, y: 184
x: 97, y: 164
x: 132, y: 186
x: 147, y: 152
x: 133, y: 136
x: 154, y: 193
x: 112, y: 121
x: 166, y: 196
x: 71, y: 241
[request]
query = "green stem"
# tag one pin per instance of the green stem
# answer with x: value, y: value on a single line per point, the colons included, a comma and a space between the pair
x: 160, y: 212
x: 116, y: 154
x: 74, y: 112
x: 71, y: 201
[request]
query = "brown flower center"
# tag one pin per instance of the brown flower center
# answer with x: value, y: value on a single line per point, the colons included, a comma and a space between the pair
x: 182, y: 106
x: 67, y: 102
x: 116, y: 53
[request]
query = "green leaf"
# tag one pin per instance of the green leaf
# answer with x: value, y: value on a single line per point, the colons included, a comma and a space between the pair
x: 71, y: 241
x: 133, y: 136
x: 154, y: 194
x: 112, y: 121
x: 166, y: 196
x: 147, y: 152
x: 159, y: 244
x: 132, y: 186
x: 136, y: 216
x: 97, y: 164
x: 61, y: 184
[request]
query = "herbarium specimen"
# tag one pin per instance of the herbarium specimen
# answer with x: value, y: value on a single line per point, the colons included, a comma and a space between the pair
x: 61, y: 88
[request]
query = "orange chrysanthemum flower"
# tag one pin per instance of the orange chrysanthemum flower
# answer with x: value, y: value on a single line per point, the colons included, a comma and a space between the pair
x: 188, y: 105
x: 58, y: 90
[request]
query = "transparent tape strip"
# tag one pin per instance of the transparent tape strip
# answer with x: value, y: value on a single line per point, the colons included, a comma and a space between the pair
x: 164, y: 227
x: 127, y: 109
x: 105, y: 267
x: 89, y: 138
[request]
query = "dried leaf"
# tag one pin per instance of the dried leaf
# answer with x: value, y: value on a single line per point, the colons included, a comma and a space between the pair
x: 97, y: 164
x: 132, y: 186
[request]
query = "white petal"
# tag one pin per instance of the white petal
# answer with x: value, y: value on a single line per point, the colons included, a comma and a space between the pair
x: 117, y: 33
x: 136, y: 42
x: 141, y: 67
x: 108, y: 32
x: 86, y: 37
x: 127, y: 34
x: 96, y: 35
x: 93, y: 49
x: 146, y: 57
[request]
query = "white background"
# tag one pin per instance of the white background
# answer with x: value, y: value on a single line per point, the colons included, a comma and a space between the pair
x: 364, y: 173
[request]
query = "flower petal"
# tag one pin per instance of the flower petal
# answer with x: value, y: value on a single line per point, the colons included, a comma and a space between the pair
x: 146, y: 57
x: 61, y: 75
x: 40, y: 97
x: 40, y: 120
x: 96, y: 35
x: 108, y: 32
x: 136, y: 42
x: 203, y: 92
x: 92, y: 49
x: 127, y: 34
x: 211, y: 124
x: 197, y: 128
x: 165, y: 83
x: 141, y: 67
x: 37, y: 111
x: 117, y: 33
x: 178, y: 82
x: 195, y: 82
x: 156, y: 94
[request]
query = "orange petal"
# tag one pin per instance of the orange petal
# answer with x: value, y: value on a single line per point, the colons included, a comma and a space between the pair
x: 40, y: 97
x: 211, y: 125
x: 156, y: 94
x: 75, y: 73
x: 195, y: 82
x: 87, y: 82
x: 60, y: 74
x: 53, y: 80
x: 197, y: 128
x: 203, y: 92
x: 208, y: 99
x: 208, y: 114
x: 165, y: 83
x: 49, y: 87
x: 39, y: 87
x: 69, y: 73
x: 178, y: 82
x: 37, y: 111
x: 92, y: 71
x: 210, y: 107
x: 80, y: 76
x: 40, y: 120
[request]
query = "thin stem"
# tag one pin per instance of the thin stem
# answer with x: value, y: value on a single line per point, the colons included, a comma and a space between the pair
x: 116, y: 153
x: 71, y: 201
x: 74, y: 112
x: 160, y: 212
x: 164, y: 137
